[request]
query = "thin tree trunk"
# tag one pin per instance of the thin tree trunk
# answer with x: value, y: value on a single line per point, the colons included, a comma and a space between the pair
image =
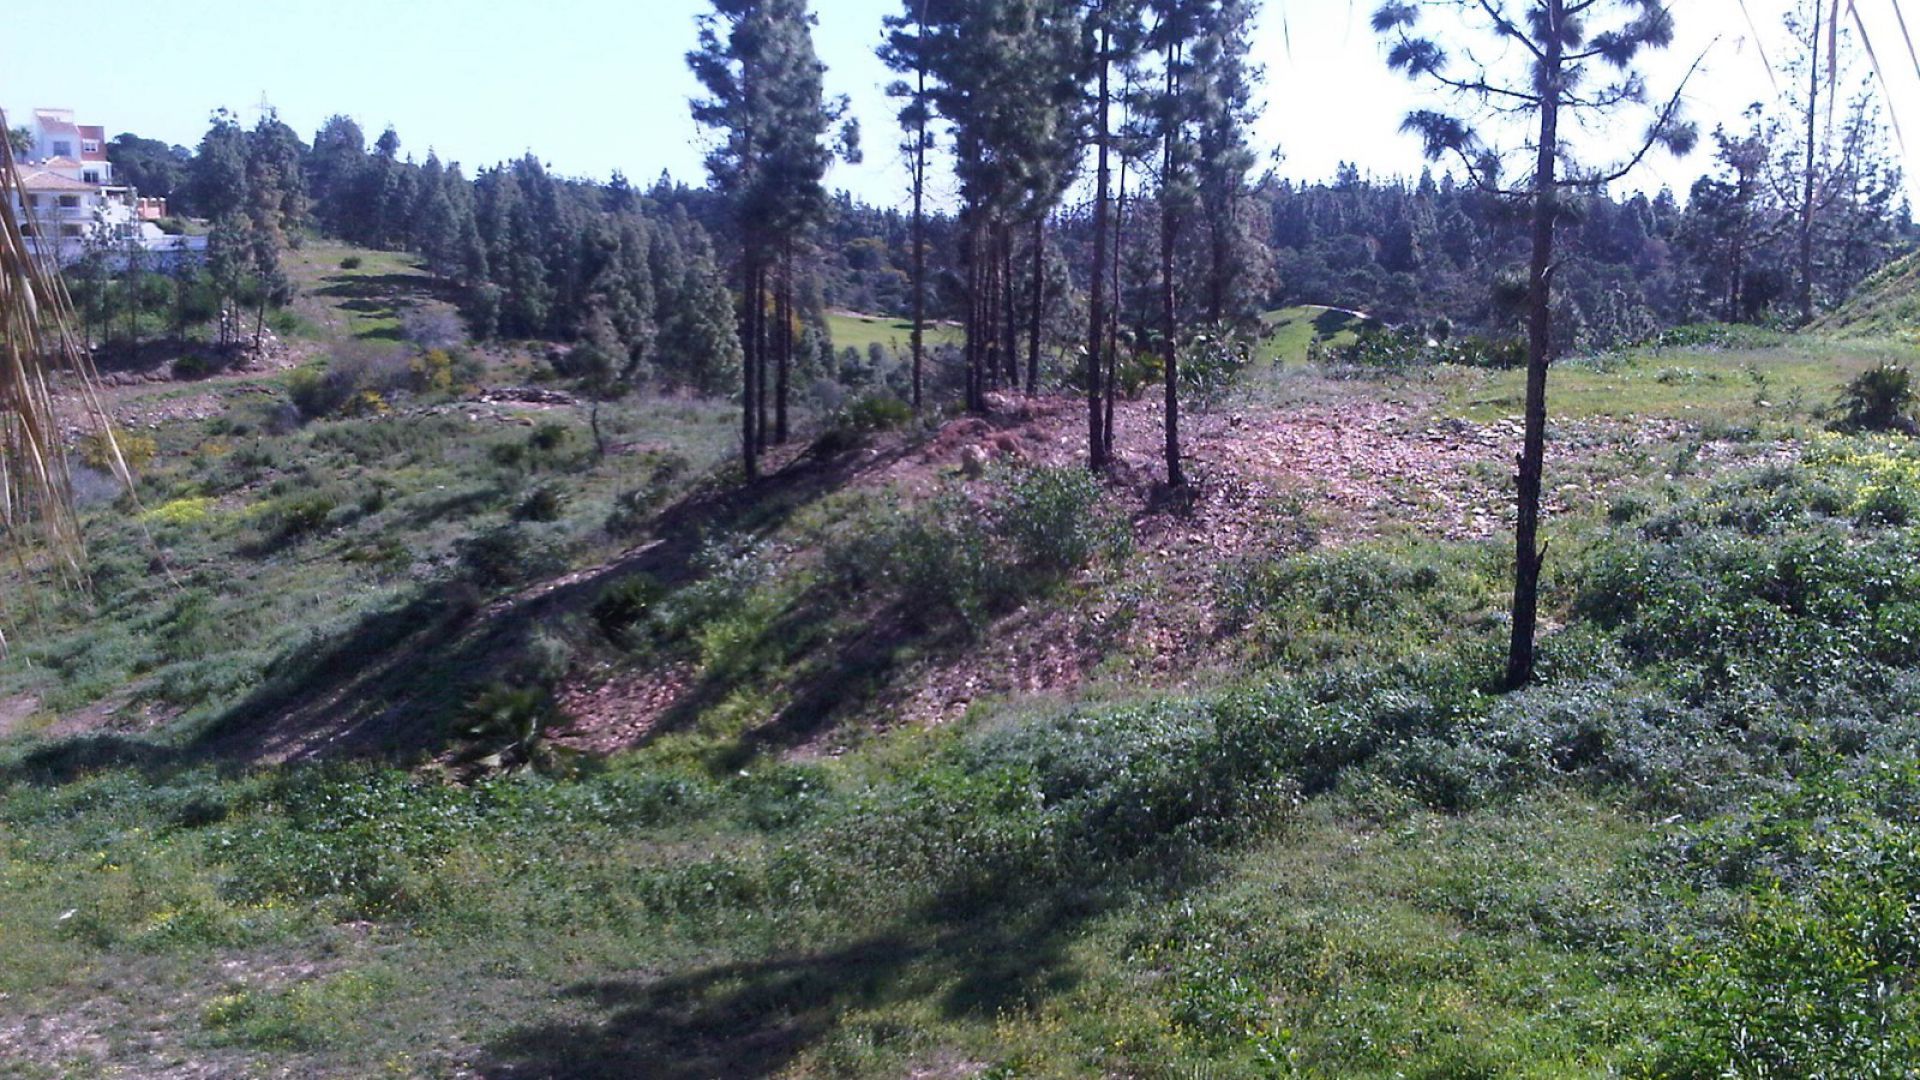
x: 762, y: 296
x: 1009, y: 309
x: 1807, y: 191
x: 977, y: 343
x: 1113, y: 317
x: 784, y: 313
x: 1528, y: 555
x: 920, y: 230
x: 1169, y: 223
x: 1039, y: 304
x: 749, y: 362
x: 1098, y: 443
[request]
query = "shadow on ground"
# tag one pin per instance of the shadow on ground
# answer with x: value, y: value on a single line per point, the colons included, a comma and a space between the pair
x: 972, y: 958
x: 390, y: 684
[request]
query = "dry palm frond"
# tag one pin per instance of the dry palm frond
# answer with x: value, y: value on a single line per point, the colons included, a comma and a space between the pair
x: 36, y: 321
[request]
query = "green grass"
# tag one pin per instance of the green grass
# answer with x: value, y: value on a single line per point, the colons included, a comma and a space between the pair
x: 1788, y: 381
x: 1339, y: 852
x: 364, y: 303
x: 861, y: 331
x: 1886, y: 305
x: 1291, y: 331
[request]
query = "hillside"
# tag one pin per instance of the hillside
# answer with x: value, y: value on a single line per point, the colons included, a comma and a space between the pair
x: 422, y: 733
x: 1885, y: 305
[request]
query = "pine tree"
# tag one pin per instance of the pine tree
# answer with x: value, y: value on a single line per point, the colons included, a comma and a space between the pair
x: 757, y: 63
x: 334, y: 167
x: 1556, y: 48
x: 905, y: 50
x: 217, y: 179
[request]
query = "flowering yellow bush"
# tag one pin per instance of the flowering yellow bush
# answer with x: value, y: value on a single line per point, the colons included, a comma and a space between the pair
x: 138, y: 451
x: 189, y: 511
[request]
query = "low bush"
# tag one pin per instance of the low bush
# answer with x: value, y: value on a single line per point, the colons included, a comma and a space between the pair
x: 544, y: 503
x: 297, y: 517
x: 625, y: 606
x: 511, y: 554
x: 97, y: 451
x: 1879, y: 399
x: 955, y: 558
x: 1812, y: 973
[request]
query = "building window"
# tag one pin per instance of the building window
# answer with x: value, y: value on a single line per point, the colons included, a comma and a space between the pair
x: 62, y: 148
x: 90, y: 177
x: 26, y: 229
x: 90, y: 146
x: 69, y: 202
x: 70, y: 231
x: 33, y: 200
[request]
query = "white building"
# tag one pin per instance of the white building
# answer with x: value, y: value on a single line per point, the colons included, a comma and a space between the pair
x: 69, y: 205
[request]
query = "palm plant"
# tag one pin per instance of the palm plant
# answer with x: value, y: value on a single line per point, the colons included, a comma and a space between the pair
x: 37, y: 519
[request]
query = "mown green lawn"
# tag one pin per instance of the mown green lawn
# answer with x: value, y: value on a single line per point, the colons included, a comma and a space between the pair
x: 861, y: 331
x: 1776, y: 380
x: 1290, y: 331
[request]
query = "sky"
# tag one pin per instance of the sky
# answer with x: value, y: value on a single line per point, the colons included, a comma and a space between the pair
x: 592, y: 86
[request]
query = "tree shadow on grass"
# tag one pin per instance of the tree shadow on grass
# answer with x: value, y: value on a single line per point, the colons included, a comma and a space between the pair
x: 974, y: 956
x: 63, y: 762
x: 391, y: 683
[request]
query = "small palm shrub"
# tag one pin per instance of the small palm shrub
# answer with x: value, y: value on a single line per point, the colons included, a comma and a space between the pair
x: 1879, y: 399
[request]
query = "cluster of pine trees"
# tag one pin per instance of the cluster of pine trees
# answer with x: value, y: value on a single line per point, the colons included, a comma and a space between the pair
x: 637, y: 286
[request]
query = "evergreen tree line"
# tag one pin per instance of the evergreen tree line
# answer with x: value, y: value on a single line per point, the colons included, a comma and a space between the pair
x: 635, y: 286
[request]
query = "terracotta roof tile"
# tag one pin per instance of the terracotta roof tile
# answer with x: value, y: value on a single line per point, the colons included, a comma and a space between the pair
x: 42, y: 180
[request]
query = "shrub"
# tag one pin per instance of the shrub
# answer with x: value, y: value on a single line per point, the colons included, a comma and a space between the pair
x: 1210, y: 364
x: 138, y: 451
x: 351, y: 262
x: 624, y: 605
x: 543, y: 503
x: 433, y: 371
x: 954, y: 558
x: 433, y: 328
x: 1813, y: 976
x: 550, y: 437
x: 300, y: 516
x: 195, y: 366
x: 878, y: 412
x: 1879, y: 399
x: 355, y: 382
x: 1054, y: 521
x: 509, y: 555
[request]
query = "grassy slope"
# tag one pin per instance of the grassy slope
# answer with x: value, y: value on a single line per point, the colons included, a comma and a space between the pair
x: 1887, y: 305
x: 1292, y: 330
x: 1033, y: 891
x: 861, y: 331
x: 1719, y: 384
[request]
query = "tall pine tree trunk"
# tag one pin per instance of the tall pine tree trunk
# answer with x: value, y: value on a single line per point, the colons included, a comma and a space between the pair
x: 749, y: 366
x: 977, y: 344
x: 1113, y: 316
x: 1807, y: 190
x: 1528, y: 554
x: 920, y: 232
x: 784, y: 313
x: 1039, y: 304
x: 1169, y: 224
x: 764, y: 393
x: 1009, y: 309
x: 1098, y: 444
